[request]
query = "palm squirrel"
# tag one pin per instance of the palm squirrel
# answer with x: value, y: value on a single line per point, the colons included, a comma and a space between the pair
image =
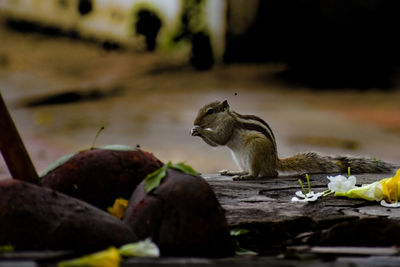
x: 253, y: 147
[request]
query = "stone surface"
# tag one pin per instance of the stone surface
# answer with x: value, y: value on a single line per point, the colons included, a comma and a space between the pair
x: 264, y: 207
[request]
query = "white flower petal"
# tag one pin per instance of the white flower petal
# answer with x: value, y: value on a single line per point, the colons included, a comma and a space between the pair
x: 341, y: 184
x: 300, y: 194
x: 310, y: 194
x: 390, y: 205
x: 352, y: 179
x: 295, y: 199
x: 310, y: 197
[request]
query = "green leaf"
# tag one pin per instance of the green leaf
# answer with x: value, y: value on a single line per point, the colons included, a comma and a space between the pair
x: 118, y: 148
x: 239, y: 231
x: 239, y: 250
x: 308, y: 183
x: 184, y: 168
x: 57, y: 163
x: 153, y: 179
x: 144, y: 248
x: 302, y: 187
x: 245, y: 252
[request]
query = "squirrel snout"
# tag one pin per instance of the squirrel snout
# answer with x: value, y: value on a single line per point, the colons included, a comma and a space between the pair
x: 195, y: 131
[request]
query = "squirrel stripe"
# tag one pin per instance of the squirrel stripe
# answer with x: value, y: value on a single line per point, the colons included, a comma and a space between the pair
x: 255, y: 118
x: 254, y: 123
x: 255, y: 127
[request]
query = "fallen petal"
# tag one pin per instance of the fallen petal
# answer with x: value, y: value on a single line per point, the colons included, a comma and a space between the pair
x: 390, y: 205
x: 144, y: 248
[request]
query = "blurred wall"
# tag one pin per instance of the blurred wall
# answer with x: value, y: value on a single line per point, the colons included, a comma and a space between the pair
x: 331, y: 43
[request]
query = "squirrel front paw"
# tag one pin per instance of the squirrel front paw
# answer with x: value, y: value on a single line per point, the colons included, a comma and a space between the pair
x: 195, y: 131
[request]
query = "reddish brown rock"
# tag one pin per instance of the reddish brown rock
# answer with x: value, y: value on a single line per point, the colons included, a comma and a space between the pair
x: 35, y: 218
x: 181, y: 215
x: 99, y: 176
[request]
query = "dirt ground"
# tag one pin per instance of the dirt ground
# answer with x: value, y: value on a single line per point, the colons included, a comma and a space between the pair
x: 151, y: 99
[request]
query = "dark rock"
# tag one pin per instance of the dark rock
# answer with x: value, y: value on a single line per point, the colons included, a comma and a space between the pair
x: 35, y: 218
x: 365, y: 232
x: 99, y: 176
x: 182, y: 215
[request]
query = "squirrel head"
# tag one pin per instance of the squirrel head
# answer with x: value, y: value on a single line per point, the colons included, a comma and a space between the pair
x: 210, y: 114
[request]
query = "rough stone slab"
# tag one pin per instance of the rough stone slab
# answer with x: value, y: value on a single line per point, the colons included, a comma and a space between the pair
x: 269, y: 200
x: 264, y: 207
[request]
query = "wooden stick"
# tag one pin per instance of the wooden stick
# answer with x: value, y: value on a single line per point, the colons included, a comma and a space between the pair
x: 15, y: 155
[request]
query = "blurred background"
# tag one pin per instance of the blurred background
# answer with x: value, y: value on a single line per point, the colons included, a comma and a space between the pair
x: 323, y: 74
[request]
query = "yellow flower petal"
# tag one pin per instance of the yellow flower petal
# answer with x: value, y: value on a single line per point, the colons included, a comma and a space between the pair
x: 105, y: 258
x: 119, y: 207
x: 389, y: 187
x: 371, y: 192
x: 7, y: 248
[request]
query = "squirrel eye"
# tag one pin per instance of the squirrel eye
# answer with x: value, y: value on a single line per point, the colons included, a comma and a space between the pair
x: 210, y: 111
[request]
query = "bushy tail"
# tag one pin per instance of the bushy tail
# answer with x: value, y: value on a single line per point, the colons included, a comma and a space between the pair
x: 312, y: 162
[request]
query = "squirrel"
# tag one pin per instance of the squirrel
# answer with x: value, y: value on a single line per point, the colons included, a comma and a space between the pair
x: 254, y: 149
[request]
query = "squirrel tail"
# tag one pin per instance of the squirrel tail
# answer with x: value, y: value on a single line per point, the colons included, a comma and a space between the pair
x: 312, y: 162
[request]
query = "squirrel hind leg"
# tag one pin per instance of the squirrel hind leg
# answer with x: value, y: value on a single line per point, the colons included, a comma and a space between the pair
x: 263, y: 160
x: 253, y: 176
x: 267, y: 169
x: 238, y: 175
x: 272, y: 174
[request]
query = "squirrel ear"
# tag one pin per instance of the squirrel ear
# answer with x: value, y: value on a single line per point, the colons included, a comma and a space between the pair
x: 225, y: 104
